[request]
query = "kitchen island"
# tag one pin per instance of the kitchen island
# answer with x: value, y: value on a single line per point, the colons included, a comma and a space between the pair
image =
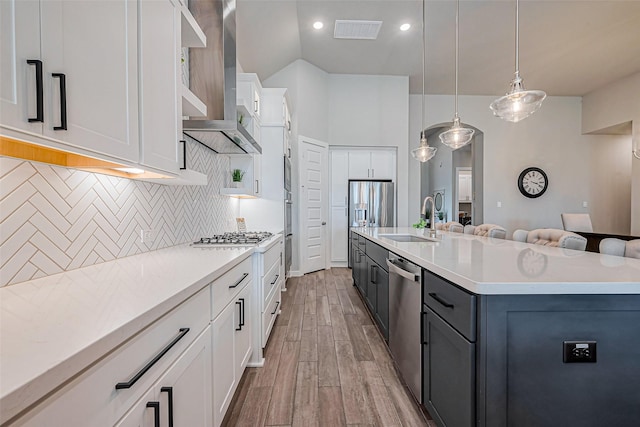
x: 515, y: 334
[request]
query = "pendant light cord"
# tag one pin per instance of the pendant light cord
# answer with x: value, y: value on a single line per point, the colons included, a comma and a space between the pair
x: 517, y: 37
x: 457, y: 14
x: 423, y: 61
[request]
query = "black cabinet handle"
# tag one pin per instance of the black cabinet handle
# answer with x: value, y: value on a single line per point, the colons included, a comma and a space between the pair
x: 440, y: 300
x: 424, y: 331
x: 63, y: 101
x: 39, y: 92
x: 136, y: 377
x: 374, y: 274
x: 184, y: 155
x: 242, y: 313
x: 255, y: 108
x: 169, y: 391
x: 274, y: 311
x: 239, y: 304
x: 244, y: 276
x: 275, y: 279
x: 156, y: 412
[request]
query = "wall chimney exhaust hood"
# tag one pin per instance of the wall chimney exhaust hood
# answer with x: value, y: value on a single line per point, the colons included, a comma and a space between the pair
x: 212, y: 78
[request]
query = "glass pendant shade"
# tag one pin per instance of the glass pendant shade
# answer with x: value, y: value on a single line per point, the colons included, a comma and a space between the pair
x: 457, y: 136
x: 519, y: 103
x: 424, y: 152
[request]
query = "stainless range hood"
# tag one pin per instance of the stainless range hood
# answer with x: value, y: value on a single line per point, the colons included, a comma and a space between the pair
x: 212, y: 78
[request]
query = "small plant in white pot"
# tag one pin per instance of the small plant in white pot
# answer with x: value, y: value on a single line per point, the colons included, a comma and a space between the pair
x: 236, y: 178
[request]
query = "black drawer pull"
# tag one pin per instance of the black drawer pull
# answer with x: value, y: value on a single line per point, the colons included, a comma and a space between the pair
x: 39, y: 92
x: 244, y: 276
x: 275, y: 279
x: 63, y: 101
x: 169, y: 391
x: 242, y: 313
x: 156, y: 412
x: 276, y: 310
x: 136, y: 377
x: 440, y: 300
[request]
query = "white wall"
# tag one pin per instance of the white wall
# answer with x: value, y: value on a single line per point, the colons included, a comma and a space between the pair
x: 373, y: 111
x: 346, y: 110
x: 618, y: 102
x: 308, y: 92
x: 551, y: 139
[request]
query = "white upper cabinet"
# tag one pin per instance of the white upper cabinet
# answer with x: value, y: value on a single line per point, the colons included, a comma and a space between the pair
x: 90, y: 61
x: 339, y: 177
x: 383, y: 164
x: 160, y: 120
x: 276, y: 112
x: 372, y: 164
x: 359, y: 164
x: 20, y: 42
x: 248, y: 95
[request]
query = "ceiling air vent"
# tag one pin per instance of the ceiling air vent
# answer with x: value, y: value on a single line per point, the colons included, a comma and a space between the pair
x: 359, y: 30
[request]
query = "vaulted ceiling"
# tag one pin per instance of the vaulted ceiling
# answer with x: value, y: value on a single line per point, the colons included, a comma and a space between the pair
x: 567, y: 47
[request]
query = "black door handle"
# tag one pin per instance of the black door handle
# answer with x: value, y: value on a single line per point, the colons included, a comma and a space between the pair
x: 169, y: 391
x: 275, y: 279
x: 63, y: 101
x: 39, y: 92
x: 239, y: 304
x: 374, y: 274
x: 141, y: 372
x: 440, y: 300
x: 276, y: 309
x: 242, y: 315
x: 156, y: 412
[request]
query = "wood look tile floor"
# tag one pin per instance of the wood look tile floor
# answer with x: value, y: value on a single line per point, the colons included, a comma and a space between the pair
x: 325, y: 364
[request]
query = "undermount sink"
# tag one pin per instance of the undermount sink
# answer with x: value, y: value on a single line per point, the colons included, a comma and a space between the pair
x: 408, y: 238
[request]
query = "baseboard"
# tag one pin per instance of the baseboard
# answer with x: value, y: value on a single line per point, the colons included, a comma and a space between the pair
x: 295, y: 273
x: 342, y: 264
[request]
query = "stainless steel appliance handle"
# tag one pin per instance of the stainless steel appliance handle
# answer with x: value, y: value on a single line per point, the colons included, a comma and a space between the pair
x: 401, y: 272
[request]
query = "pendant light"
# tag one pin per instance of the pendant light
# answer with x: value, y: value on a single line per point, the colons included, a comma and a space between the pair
x: 519, y: 103
x: 457, y: 136
x: 423, y: 153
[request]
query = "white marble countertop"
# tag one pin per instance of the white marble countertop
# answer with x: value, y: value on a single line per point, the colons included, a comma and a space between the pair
x: 490, y: 266
x: 52, y: 328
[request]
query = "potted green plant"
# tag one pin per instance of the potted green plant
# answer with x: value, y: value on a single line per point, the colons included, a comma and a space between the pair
x: 442, y: 215
x: 420, y: 226
x: 236, y: 178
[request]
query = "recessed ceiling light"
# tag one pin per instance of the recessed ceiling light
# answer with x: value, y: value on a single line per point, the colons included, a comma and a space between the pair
x: 405, y: 27
x: 318, y: 25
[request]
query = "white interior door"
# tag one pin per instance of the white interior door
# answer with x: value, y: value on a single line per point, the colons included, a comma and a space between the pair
x: 314, y: 205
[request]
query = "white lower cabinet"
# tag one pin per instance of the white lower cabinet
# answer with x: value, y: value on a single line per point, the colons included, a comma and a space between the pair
x: 181, y: 370
x: 182, y: 397
x: 269, y: 273
x: 115, y: 384
x: 232, y: 333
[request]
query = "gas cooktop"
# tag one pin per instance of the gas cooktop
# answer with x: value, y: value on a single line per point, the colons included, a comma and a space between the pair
x: 248, y: 238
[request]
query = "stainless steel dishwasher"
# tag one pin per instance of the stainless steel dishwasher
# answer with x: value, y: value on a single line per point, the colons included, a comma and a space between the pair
x: 405, y: 305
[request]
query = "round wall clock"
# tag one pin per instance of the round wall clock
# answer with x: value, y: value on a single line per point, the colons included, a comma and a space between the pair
x: 533, y: 182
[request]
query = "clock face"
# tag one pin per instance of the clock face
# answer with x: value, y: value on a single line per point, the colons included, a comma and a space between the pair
x: 533, y: 182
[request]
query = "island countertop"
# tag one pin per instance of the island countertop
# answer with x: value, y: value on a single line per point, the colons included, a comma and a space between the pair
x: 489, y: 266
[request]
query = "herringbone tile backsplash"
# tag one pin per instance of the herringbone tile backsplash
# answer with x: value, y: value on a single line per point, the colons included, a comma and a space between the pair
x: 54, y: 219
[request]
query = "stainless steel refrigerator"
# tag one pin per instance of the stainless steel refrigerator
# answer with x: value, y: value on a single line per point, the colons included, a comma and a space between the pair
x: 371, y: 204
